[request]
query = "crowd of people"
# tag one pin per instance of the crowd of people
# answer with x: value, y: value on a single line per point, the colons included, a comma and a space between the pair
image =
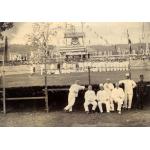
x: 99, y: 66
x: 108, y: 95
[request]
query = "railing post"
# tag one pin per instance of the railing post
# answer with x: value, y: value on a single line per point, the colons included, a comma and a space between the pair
x: 46, y: 100
x: 46, y: 90
x: 3, y: 78
x: 4, y: 96
x: 89, y: 75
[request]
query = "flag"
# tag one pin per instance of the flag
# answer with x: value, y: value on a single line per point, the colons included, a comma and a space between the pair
x: 130, y: 48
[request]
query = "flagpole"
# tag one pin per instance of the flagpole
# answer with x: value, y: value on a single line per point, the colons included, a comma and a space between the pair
x: 129, y: 44
x: 4, y: 90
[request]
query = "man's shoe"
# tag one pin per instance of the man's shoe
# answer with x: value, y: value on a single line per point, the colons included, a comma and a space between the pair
x: 66, y: 111
x: 87, y: 112
x: 93, y: 111
x: 119, y: 112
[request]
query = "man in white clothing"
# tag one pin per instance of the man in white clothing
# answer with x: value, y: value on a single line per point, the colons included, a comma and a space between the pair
x: 90, y: 98
x: 118, y: 96
x: 108, y: 86
x: 42, y: 69
x: 103, y: 98
x: 73, y: 93
x: 129, y: 85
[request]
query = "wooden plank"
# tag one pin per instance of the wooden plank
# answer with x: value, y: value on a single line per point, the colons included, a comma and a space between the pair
x: 59, y: 89
x: 25, y: 98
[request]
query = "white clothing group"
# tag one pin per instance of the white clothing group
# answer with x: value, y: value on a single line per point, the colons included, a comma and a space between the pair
x: 83, y: 67
x: 108, y: 95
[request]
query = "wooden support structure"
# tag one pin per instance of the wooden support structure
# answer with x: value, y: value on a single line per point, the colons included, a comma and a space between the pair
x: 89, y: 75
x: 3, y: 92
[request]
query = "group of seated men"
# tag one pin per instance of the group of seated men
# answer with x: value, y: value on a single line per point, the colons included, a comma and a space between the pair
x: 108, y: 95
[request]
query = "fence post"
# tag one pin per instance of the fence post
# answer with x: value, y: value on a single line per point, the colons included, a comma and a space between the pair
x: 89, y: 75
x: 129, y: 67
x: 4, y: 96
x: 4, y: 89
x: 46, y: 90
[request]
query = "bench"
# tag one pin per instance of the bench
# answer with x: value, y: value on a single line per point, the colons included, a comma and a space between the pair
x: 26, y: 98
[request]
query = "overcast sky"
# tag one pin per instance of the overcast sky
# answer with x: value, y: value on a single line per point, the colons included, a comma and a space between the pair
x: 113, y: 32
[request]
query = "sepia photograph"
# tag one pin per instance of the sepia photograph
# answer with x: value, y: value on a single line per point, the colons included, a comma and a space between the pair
x: 74, y: 74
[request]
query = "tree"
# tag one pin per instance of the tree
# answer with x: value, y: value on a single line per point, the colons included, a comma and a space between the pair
x: 5, y: 26
x: 41, y: 37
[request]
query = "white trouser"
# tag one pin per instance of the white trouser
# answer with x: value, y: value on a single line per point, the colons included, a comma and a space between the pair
x: 128, y: 100
x: 111, y: 101
x: 119, y: 106
x: 71, y: 101
x: 107, y: 103
x: 111, y: 104
x: 87, y: 103
x: 119, y: 102
x: 41, y: 71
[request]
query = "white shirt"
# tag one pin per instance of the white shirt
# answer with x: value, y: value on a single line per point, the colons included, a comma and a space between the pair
x: 108, y: 87
x: 129, y: 85
x: 75, y: 88
x: 52, y: 66
x: 118, y: 93
x: 90, y: 95
x: 102, y: 95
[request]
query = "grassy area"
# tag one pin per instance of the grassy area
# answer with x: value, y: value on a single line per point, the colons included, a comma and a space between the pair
x: 24, y: 80
x: 59, y: 118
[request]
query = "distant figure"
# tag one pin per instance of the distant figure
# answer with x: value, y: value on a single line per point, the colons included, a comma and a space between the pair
x: 108, y: 86
x: 77, y: 67
x: 59, y: 67
x: 90, y: 98
x: 73, y: 93
x: 118, y: 96
x: 141, y: 92
x: 129, y: 85
x: 103, y: 98
x: 42, y: 69
x: 32, y: 69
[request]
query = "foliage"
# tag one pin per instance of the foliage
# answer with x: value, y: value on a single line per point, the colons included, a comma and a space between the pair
x: 5, y: 26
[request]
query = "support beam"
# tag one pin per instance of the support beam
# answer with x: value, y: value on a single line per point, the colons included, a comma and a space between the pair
x: 89, y: 75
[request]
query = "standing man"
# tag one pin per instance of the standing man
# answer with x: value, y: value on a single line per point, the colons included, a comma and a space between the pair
x: 32, y: 70
x: 103, y: 98
x: 118, y: 96
x: 42, y: 69
x: 141, y: 92
x: 73, y: 93
x: 59, y: 67
x: 90, y: 98
x: 129, y: 85
x: 108, y: 86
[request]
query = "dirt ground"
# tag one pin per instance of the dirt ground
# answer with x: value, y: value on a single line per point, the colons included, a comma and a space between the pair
x: 133, y: 118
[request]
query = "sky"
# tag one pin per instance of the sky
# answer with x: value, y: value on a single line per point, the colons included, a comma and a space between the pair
x: 95, y: 32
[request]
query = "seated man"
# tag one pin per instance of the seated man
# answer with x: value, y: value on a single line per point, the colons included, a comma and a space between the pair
x: 108, y: 87
x: 118, y: 97
x: 90, y: 98
x: 103, y: 98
